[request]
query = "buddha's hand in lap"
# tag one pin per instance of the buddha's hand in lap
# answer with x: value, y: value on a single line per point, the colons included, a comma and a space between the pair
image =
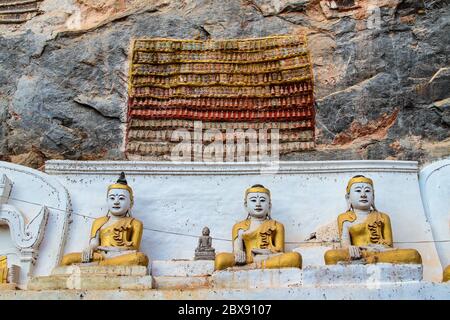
x: 258, y: 251
x: 240, y: 257
x: 376, y: 247
x: 113, y: 249
x: 355, y: 252
x: 86, y: 255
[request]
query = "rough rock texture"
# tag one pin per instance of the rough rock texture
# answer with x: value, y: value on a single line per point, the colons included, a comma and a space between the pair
x: 382, y: 72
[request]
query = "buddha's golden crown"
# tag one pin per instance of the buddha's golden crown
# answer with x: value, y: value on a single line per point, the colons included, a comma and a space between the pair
x: 122, y: 184
x: 358, y: 179
x: 257, y: 188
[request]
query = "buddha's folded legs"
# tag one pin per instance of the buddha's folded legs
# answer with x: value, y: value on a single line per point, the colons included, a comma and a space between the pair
x: 73, y: 258
x: 285, y: 260
x: 396, y: 256
x: 131, y: 259
x: 446, y: 276
x: 337, y: 255
x: 224, y: 260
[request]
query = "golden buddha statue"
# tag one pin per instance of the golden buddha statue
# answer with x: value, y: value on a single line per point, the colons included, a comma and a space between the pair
x: 3, y: 269
x: 446, y: 275
x: 365, y: 233
x: 258, y: 241
x: 115, y: 239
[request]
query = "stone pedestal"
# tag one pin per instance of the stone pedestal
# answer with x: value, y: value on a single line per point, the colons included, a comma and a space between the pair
x: 182, y: 274
x: 94, y: 278
x: 361, y: 275
x: 257, y: 278
x: 336, y: 275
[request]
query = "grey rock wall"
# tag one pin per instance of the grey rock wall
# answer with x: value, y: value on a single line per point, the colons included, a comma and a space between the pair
x: 382, y: 73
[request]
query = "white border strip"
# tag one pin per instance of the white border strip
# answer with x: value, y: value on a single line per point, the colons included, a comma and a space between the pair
x: 66, y: 167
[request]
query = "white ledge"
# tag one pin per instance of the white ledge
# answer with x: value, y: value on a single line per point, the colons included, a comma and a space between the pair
x: 226, y: 168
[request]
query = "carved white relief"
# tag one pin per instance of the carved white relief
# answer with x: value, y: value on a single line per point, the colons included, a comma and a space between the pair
x: 435, y: 191
x: 34, y: 215
x: 25, y: 235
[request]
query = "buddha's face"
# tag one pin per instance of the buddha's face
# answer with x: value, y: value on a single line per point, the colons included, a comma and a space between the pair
x: 361, y: 196
x: 258, y: 204
x: 119, y: 202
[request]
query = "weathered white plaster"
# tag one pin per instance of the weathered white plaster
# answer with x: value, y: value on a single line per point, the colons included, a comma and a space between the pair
x: 182, y: 268
x: 79, y: 281
x: 435, y: 189
x: 401, y: 291
x: 258, y: 278
x: 101, y: 270
x: 313, y: 254
x: 371, y: 275
x: 35, y: 210
x: 176, y: 200
x: 170, y: 283
x: 24, y: 235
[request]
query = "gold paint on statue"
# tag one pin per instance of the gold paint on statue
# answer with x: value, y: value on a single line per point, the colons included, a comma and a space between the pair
x: 446, y: 275
x: 268, y: 236
x: 116, y: 237
x: 3, y: 269
x: 372, y: 237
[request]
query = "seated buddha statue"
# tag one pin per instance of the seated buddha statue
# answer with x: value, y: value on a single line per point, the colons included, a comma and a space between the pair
x: 365, y: 233
x: 258, y: 241
x: 115, y: 238
x: 446, y: 275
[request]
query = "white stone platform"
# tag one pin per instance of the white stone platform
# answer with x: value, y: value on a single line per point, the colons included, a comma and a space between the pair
x: 181, y: 274
x: 94, y: 278
x: 370, y: 275
x: 421, y: 290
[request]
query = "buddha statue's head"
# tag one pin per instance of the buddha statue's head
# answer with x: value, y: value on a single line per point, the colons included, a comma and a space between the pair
x: 360, y: 193
x: 257, y: 202
x: 205, y: 231
x: 120, y: 197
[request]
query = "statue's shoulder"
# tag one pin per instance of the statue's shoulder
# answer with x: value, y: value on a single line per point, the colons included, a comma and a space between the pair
x: 275, y: 223
x: 244, y: 224
x: 349, y: 216
x: 97, y: 224
x: 100, y: 221
x: 383, y: 215
x: 136, y: 222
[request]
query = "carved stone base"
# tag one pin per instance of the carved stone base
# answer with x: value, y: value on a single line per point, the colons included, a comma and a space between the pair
x: 336, y: 275
x: 182, y: 268
x: 205, y: 255
x: 101, y: 270
x: 182, y: 274
x: 359, y: 274
x: 174, y: 283
x: 84, y: 277
x: 254, y: 279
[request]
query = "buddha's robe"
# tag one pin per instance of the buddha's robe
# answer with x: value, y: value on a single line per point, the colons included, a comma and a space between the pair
x: 3, y: 269
x: 375, y: 230
x: 269, y: 235
x: 446, y: 275
x: 125, y: 233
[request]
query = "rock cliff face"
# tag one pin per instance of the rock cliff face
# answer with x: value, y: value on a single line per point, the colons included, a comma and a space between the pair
x: 382, y: 72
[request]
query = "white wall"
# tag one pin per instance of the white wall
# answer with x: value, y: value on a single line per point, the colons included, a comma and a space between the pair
x: 175, y: 201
